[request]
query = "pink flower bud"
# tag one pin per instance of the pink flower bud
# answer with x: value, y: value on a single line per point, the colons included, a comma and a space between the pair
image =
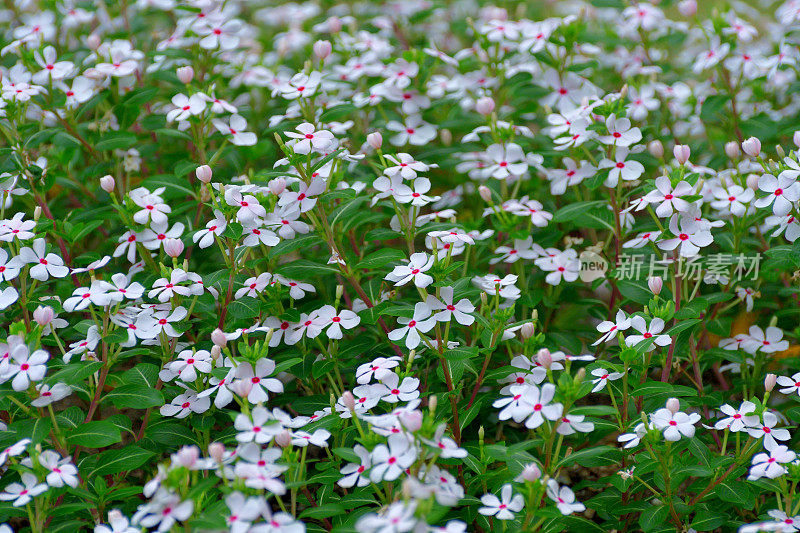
x: 218, y: 338
x: 682, y: 153
x: 484, y: 105
x: 656, y: 149
x: 277, y: 186
x: 486, y: 193
x: 752, y: 182
x: 107, y: 183
x: 43, y: 315
x: 242, y: 387
x: 283, y: 439
x: 349, y: 400
x: 375, y: 139
x: 173, y: 247
x: 322, y: 49
x: 655, y: 283
x: 411, y: 420
x: 334, y: 24
x: 796, y: 138
x: 216, y: 351
x: 204, y: 173
x: 94, y: 74
x: 732, y: 150
x: 673, y: 405
x: 688, y: 8
x: 531, y: 472
x: 185, y: 74
x: 527, y: 330
x: 188, y: 455
x: 217, y: 451
x: 93, y: 41
x: 751, y: 147
x: 544, y: 358
x: 769, y: 382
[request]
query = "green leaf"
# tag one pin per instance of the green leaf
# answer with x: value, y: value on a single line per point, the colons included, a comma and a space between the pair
x: 680, y: 326
x: 121, y: 460
x: 653, y: 517
x: 741, y: 495
x: 325, y: 510
x: 116, y: 140
x: 170, y: 433
x: 708, y: 519
x: 303, y: 269
x: 347, y: 454
x: 635, y: 290
x: 134, y: 396
x: 700, y: 451
x: 573, y: 211
x: 380, y: 258
x: 591, y: 457
x: 75, y: 372
x: 244, y: 308
x: 303, y: 242
x: 651, y: 388
x: 95, y: 435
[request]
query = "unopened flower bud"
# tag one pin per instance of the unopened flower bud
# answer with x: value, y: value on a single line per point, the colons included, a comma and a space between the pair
x: 486, y: 193
x: 527, y: 330
x: 682, y: 153
x: 283, y: 439
x: 216, y: 351
x: 93, y: 41
x: 432, y: 403
x: 544, y: 358
x: 655, y: 283
x: 580, y: 374
x: 796, y: 138
x: 37, y: 213
x: 656, y: 149
x: 484, y: 105
x: 752, y: 182
x: 349, y: 400
x: 188, y: 455
x: 218, y: 338
x: 322, y: 49
x: 732, y: 150
x: 115, y: 515
x: 688, y: 8
x: 204, y: 173
x: 411, y: 420
x: 216, y: 450
x: 107, y: 183
x: 277, y: 186
x: 334, y: 24
x: 242, y: 387
x: 673, y: 405
x: 751, y: 146
x: 173, y: 247
x: 185, y: 74
x: 43, y: 315
x: 779, y: 150
x: 446, y: 136
x: 531, y: 472
x: 769, y: 382
x: 375, y: 139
